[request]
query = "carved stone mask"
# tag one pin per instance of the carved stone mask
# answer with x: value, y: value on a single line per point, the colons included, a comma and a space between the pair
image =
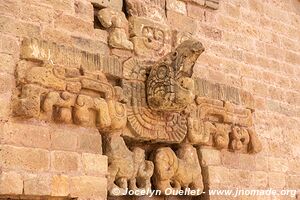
x: 169, y: 85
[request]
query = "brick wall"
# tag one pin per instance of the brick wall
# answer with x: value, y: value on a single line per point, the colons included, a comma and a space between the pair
x: 250, y: 44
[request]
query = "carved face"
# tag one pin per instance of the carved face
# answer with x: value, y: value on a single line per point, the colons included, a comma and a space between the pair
x: 169, y: 85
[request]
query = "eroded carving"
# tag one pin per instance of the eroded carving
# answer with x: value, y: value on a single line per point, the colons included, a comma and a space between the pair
x: 55, y: 92
x: 222, y: 125
x: 142, y: 101
x: 169, y: 85
x: 156, y: 113
x: 127, y: 169
x: 177, y: 171
x: 117, y: 24
x: 150, y: 38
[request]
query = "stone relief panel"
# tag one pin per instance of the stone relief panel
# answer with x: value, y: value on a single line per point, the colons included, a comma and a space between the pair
x: 175, y: 171
x: 151, y: 111
x: 154, y: 102
x: 150, y: 38
x: 117, y: 24
x: 65, y: 94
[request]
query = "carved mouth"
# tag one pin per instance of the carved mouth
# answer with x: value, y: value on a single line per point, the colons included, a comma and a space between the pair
x: 187, y: 58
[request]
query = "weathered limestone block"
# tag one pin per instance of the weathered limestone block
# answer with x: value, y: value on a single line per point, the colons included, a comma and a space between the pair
x: 149, y: 38
x: 11, y: 183
x: 177, y: 171
x: 117, y: 24
x: 60, y: 185
x: 127, y: 169
x: 37, y: 185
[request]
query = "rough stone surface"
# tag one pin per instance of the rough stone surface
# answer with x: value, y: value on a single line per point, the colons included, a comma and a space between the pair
x: 76, y: 72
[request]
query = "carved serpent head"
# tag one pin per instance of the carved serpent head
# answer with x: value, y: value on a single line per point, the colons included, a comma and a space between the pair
x: 169, y: 84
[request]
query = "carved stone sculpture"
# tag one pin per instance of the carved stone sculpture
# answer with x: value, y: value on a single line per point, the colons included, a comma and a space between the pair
x: 149, y: 101
x: 177, y: 171
x: 150, y: 38
x: 169, y: 85
x: 127, y: 169
x: 222, y: 125
x: 117, y: 24
x: 155, y: 113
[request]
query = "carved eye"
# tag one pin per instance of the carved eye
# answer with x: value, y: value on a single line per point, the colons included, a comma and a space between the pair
x: 162, y: 72
x: 159, y: 35
x: 175, y: 54
x: 148, y: 32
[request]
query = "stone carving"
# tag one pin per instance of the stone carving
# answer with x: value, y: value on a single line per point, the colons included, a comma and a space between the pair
x: 220, y: 124
x: 150, y: 38
x: 127, y: 169
x: 169, y: 85
x: 134, y: 70
x: 69, y: 95
x: 155, y: 101
x: 159, y: 117
x: 177, y: 171
x: 117, y: 24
